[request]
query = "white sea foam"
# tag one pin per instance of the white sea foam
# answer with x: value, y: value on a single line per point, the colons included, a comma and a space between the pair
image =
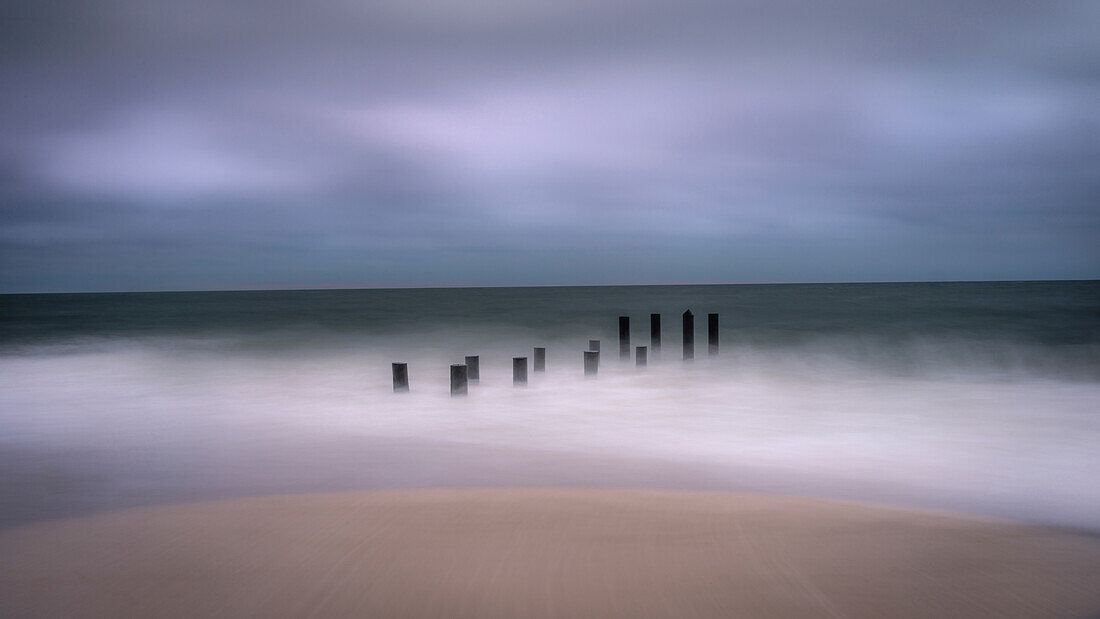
x: 998, y: 440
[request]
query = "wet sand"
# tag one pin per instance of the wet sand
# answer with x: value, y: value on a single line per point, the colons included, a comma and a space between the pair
x: 543, y: 553
x: 45, y: 483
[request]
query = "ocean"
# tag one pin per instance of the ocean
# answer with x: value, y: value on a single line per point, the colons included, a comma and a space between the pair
x: 981, y: 397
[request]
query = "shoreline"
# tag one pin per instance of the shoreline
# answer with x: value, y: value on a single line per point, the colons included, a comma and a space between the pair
x: 40, y: 485
x: 543, y: 552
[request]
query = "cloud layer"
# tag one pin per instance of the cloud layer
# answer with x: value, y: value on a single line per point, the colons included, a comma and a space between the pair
x: 156, y: 145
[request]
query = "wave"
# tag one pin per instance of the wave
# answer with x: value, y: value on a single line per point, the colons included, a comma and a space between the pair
x: 1009, y: 429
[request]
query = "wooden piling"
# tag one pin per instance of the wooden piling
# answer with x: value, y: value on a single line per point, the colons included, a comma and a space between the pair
x: 712, y: 334
x: 641, y: 356
x: 458, y: 379
x: 594, y: 345
x: 519, y: 370
x: 689, y: 336
x: 591, y: 362
x: 655, y: 333
x: 624, y: 337
x: 400, y: 377
x: 540, y: 359
x: 473, y: 368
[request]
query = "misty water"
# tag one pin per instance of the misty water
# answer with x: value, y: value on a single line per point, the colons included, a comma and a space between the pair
x: 978, y: 397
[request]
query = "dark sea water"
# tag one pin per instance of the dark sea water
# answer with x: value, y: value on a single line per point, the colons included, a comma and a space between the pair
x: 976, y: 396
x: 1055, y: 313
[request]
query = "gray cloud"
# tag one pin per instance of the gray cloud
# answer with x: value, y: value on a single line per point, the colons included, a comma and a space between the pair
x: 155, y: 145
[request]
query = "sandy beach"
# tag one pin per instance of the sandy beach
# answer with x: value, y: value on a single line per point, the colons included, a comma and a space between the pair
x: 543, y: 553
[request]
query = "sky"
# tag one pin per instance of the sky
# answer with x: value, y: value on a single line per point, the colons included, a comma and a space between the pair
x: 224, y: 144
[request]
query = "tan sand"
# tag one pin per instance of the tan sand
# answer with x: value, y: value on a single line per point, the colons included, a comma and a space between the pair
x: 542, y: 553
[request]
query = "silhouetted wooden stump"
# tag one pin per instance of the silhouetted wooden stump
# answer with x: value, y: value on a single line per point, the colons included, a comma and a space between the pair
x: 712, y: 334
x: 655, y: 333
x: 591, y: 362
x: 519, y: 370
x: 400, y: 377
x: 689, y: 336
x: 473, y: 368
x: 458, y: 379
x: 624, y: 337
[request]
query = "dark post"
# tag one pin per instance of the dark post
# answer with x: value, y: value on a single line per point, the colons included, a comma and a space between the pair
x: 712, y: 334
x: 540, y: 359
x: 689, y: 336
x: 458, y: 379
x: 473, y: 368
x: 642, y: 356
x: 591, y: 362
x: 655, y: 333
x: 624, y: 337
x: 594, y: 345
x: 400, y: 377
x: 519, y: 370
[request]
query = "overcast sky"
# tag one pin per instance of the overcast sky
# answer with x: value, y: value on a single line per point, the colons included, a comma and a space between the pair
x: 152, y: 145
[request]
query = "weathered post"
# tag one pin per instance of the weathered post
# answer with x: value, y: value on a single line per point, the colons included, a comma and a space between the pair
x: 641, y: 356
x: 473, y: 368
x: 655, y: 333
x: 519, y: 371
x: 712, y: 334
x: 540, y: 359
x: 594, y: 345
x: 400, y: 377
x: 689, y: 336
x: 458, y: 379
x: 624, y: 337
x: 591, y: 362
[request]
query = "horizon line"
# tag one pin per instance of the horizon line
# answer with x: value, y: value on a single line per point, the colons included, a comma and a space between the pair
x: 339, y: 287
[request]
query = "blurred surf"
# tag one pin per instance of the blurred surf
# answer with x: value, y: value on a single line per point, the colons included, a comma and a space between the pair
x: 975, y: 395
